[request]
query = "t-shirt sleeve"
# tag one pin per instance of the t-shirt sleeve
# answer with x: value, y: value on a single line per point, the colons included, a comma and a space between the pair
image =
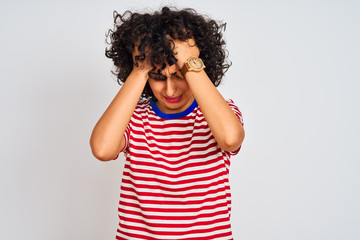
x: 240, y: 118
x: 127, y: 138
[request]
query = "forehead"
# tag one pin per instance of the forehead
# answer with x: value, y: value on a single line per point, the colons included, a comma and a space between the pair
x: 168, y: 70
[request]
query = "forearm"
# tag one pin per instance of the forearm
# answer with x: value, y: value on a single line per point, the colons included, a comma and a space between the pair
x: 222, y: 121
x: 107, y: 137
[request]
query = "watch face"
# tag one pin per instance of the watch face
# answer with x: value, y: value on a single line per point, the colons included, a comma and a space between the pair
x: 196, y: 63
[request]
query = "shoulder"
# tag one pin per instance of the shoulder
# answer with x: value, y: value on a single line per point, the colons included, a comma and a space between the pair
x: 230, y: 102
x: 142, y: 105
x: 236, y: 110
x: 143, y: 109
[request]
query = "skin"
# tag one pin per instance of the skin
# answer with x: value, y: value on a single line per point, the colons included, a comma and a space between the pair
x: 107, y: 137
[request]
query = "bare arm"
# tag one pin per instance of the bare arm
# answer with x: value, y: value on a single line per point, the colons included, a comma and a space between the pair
x: 224, y: 125
x: 107, y: 137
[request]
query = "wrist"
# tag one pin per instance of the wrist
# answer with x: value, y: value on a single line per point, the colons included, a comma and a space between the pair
x: 181, y: 62
x: 140, y: 73
x: 192, y: 64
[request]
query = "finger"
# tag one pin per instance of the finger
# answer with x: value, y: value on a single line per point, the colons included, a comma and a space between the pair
x: 191, y: 42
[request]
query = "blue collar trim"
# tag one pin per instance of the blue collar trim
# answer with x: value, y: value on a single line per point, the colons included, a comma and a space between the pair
x: 173, y: 115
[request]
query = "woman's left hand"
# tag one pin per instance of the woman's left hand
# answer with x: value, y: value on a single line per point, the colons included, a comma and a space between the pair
x: 185, y: 49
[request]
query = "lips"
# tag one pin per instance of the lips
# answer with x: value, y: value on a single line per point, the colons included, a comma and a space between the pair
x: 173, y: 100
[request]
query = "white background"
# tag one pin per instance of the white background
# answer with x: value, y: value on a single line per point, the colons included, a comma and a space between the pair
x: 295, y: 77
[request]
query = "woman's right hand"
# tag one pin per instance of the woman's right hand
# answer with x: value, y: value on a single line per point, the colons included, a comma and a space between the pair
x: 143, y: 66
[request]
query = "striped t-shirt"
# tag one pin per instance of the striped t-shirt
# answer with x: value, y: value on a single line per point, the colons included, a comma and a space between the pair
x: 175, y: 183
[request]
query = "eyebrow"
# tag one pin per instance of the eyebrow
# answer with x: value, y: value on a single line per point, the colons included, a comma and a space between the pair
x: 157, y: 76
x: 162, y: 77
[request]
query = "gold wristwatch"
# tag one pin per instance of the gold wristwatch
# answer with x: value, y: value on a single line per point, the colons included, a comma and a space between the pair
x: 192, y: 64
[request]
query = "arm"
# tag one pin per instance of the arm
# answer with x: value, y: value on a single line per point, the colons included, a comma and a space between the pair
x: 107, y: 138
x: 224, y: 125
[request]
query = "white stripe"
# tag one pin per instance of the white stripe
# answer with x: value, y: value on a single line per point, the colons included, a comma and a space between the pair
x: 171, y: 144
x: 177, y: 136
x: 176, y: 186
x: 126, y: 237
x: 173, y: 206
x: 177, y: 194
x: 178, y: 229
x: 175, y: 198
x: 185, y: 161
x: 172, y: 179
x: 179, y: 157
x: 161, y: 168
x: 187, y: 124
x: 179, y: 221
x: 181, y: 163
x: 170, y: 237
x: 199, y: 121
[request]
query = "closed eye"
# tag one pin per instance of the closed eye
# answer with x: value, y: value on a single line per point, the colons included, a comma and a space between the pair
x: 178, y: 74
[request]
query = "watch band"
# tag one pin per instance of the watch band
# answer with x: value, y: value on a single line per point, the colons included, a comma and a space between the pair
x: 187, y: 65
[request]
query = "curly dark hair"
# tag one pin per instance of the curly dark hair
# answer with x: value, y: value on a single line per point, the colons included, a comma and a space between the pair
x: 152, y: 31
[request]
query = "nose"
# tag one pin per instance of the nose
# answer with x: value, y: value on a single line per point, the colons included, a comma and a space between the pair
x: 170, y: 87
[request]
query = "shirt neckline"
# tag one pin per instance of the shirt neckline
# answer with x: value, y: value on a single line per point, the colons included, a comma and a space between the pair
x: 173, y: 115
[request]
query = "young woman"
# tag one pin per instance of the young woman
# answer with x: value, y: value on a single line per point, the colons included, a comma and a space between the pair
x: 179, y: 137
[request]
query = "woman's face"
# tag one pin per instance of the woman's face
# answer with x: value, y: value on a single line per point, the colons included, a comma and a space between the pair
x: 174, y: 94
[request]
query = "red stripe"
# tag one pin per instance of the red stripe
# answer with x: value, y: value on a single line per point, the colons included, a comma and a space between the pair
x: 144, y: 237
x: 177, y: 233
x: 172, y: 202
x: 176, y: 225
x: 159, y: 164
x: 171, y: 133
x: 175, y: 210
x: 155, y: 124
x: 174, y: 218
x: 204, y: 142
x: 175, y: 175
x: 176, y: 182
x: 161, y: 155
x: 176, y: 191
x: 173, y: 162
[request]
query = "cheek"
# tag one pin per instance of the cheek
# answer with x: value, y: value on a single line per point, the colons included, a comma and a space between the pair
x: 185, y: 87
x: 155, y: 87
